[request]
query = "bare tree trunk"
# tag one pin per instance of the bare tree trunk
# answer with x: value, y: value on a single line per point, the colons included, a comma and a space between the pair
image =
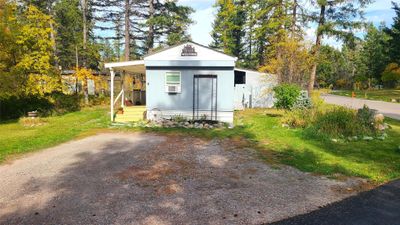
x: 315, y: 52
x: 150, y: 38
x: 279, y: 40
x: 127, y: 30
x: 84, y: 20
x: 52, y: 35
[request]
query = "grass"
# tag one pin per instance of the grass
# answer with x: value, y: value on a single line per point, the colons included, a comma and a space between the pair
x: 15, y: 138
x: 378, y: 161
x: 382, y: 95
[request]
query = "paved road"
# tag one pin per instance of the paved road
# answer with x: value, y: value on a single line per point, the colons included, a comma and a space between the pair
x: 378, y: 206
x: 388, y: 109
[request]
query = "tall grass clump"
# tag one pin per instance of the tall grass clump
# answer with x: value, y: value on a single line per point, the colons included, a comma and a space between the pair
x: 327, y: 121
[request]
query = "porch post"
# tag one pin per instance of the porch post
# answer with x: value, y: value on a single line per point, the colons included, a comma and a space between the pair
x: 112, y: 94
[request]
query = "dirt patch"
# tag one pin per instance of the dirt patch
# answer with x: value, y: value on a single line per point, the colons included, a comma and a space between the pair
x: 157, y: 171
x: 357, y: 187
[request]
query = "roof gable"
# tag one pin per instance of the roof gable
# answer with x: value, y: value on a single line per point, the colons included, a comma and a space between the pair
x: 189, y: 51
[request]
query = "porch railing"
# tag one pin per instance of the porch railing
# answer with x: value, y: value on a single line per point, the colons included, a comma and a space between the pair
x: 122, y: 96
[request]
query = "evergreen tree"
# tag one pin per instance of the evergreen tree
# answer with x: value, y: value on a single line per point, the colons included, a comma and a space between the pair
x: 228, y: 28
x: 394, y: 34
x: 69, y: 33
x: 375, y: 52
x: 336, y: 18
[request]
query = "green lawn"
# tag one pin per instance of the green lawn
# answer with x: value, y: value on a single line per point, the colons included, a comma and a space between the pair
x: 377, y: 160
x: 16, y: 138
x: 383, y: 95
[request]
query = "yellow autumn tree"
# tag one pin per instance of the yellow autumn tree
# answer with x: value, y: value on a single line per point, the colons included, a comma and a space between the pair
x: 294, y: 63
x: 36, y: 53
x: 83, y: 75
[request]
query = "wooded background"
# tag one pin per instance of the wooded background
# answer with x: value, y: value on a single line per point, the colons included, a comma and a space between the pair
x: 41, y: 38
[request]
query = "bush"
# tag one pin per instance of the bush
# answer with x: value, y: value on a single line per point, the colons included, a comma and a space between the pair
x: 14, y: 107
x: 286, y: 95
x: 178, y: 118
x: 340, y: 122
x: 297, y: 118
x: 303, y: 101
x: 391, y: 75
x: 366, y: 118
x: 63, y: 103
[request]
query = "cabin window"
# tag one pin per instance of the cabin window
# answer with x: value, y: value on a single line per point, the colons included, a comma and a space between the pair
x: 173, y: 82
x: 240, y: 77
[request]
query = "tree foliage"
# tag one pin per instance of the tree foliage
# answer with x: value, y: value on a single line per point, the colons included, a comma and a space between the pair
x: 27, y: 56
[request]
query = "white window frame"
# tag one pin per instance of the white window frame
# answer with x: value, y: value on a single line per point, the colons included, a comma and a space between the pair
x: 179, y: 86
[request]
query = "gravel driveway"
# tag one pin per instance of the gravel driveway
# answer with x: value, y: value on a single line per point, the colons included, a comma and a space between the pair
x: 132, y: 178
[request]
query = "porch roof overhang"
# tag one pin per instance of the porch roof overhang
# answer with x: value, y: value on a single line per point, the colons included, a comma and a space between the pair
x: 136, y: 66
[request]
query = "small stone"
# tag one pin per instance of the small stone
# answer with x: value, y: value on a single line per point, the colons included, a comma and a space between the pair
x: 381, y: 138
x: 378, y: 118
x: 367, y: 138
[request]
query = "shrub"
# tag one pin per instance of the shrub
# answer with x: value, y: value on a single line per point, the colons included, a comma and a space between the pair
x: 63, y: 103
x: 391, y: 74
x: 341, y: 83
x: 366, y: 118
x: 342, y: 122
x: 286, y: 95
x: 178, y: 118
x: 337, y: 122
x: 303, y: 101
x: 297, y: 118
x: 14, y: 107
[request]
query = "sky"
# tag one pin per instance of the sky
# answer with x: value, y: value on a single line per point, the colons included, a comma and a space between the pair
x: 376, y: 12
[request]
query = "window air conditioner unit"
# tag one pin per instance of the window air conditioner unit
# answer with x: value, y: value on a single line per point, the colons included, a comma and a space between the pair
x: 173, y: 88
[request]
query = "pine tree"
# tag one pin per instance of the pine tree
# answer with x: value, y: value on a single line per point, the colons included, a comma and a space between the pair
x: 228, y: 28
x: 336, y: 18
x: 394, y: 34
x: 375, y: 51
